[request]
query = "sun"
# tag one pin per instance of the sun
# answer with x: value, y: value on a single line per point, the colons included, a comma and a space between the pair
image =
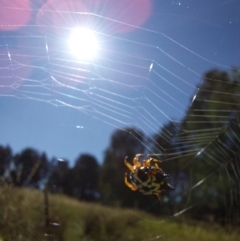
x: 83, y: 43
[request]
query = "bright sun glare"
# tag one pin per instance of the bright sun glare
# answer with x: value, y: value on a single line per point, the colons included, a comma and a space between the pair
x: 83, y: 43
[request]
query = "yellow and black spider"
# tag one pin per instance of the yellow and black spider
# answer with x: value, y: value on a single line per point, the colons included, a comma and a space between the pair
x: 147, y: 176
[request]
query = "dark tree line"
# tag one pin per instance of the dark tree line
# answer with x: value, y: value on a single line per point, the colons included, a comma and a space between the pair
x: 201, y: 154
x: 32, y: 169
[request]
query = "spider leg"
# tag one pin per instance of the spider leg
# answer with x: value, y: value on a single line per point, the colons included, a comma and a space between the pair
x: 130, y: 167
x: 153, y: 164
x: 145, y: 163
x: 138, y: 155
x: 156, y: 165
x: 135, y: 160
x: 130, y: 185
x: 155, y: 161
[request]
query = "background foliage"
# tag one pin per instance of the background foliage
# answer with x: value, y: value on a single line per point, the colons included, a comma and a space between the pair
x: 203, y: 178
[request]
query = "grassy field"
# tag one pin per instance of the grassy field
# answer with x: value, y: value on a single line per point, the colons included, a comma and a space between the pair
x: 22, y: 218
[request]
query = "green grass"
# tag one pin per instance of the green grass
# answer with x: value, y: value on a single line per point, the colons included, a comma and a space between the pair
x: 22, y: 218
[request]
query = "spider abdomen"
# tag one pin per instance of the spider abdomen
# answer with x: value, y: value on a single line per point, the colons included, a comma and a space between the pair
x: 147, y: 176
x: 150, y: 181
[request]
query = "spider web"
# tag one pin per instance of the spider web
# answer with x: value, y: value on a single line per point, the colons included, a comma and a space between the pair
x: 141, y: 78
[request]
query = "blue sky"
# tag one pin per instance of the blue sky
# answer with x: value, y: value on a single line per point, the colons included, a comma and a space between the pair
x: 54, y: 103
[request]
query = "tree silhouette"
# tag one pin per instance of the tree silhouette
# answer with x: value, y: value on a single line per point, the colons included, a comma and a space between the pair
x: 216, y: 102
x: 85, y: 176
x: 5, y: 159
x: 123, y: 143
x: 30, y: 168
x: 215, y: 108
x: 170, y: 150
x: 60, y: 178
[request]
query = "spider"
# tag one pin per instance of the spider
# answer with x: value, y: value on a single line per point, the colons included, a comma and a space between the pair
x: 147, y: 177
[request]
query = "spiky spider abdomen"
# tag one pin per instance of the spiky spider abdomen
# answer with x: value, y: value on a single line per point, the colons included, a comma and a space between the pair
x: 147, y: 177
